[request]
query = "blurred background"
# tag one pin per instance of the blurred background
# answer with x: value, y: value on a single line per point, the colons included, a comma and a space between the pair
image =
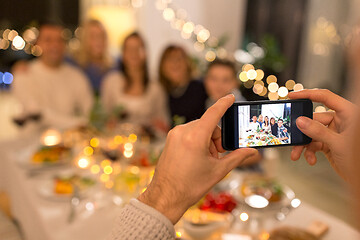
x: 299, y: 43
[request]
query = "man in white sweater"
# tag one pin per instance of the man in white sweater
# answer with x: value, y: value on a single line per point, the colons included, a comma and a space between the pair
x: 52, y: 88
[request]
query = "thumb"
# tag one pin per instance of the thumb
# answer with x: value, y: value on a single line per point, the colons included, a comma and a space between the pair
x: 239, y: 156
x: 316, y: 130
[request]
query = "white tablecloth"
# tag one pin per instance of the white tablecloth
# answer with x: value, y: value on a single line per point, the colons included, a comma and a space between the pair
x: 42, y: 219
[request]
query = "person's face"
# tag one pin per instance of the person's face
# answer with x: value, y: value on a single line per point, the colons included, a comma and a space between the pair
x: 254, y: 119
x: 52, y: 44
x: 266, y: 119
x: 95, y: 40
x: 272, y: 121
x: 175, y: 67
x: 280, y: 123
x: 260, y: 118
x: 219, y: 82
x: 134, y: 53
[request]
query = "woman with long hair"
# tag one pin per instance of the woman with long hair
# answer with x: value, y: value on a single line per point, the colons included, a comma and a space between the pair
x: 131, y: 89
x: 186, y: 97
x: 266, y: 125
x: 92, y: 56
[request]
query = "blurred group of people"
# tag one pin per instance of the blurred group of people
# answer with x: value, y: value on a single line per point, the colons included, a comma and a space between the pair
x: 62, y: 87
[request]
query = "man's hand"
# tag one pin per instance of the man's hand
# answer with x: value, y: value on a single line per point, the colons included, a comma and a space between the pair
x: 190, y: 165
x: 330, y: 131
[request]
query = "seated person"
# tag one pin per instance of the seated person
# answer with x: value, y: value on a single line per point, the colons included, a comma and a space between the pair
x: 274, y: 127
x: 220, y: 80
x: 186, y: 96
x: 92, y: 57
x: 140, y: 100
x: 254, y: 125
x: 52, y: 88
x: 261, y: 120
x: 266, y: 125
x: 282, y: 132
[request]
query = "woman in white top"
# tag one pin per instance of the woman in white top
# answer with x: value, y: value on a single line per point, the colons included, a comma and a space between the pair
x: 142, y: 100
x: 266, y: 124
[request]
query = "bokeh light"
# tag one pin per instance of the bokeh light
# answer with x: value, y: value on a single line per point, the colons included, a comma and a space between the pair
x: 258, y: 88
x: 188, y: 27
x: 168, y: 14
x: 290, y: 84
x: 94, y: 142
x: 244, y: 217
x: 95, y: 169
x: 119, y: 139
x: 108, y: 169
x: 271, y: 79
x: 273, y: 96
x: 7, y: 78
x: 18, y: 43
x: 243, y: 77
x: 203, y: 35
x: 273, y: 87
x: 295, y: 203
x: 104, y: 177
x: 128, y: 154
x: 283, y: 92
x: 105, y: 163
x: 259, y: 74
x: 50, y: 137
x: 210, y: 56
x: 88, y: 151
x: 248, y: 67
x: 132, y: 138
x: 298, y: 87
x: 251, y: 74
x: 83, y: 163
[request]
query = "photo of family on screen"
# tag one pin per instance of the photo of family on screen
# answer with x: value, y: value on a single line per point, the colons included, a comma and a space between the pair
x: 264, y: 125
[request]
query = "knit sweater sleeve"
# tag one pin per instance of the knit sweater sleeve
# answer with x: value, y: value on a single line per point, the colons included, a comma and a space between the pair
x: 140, y: 221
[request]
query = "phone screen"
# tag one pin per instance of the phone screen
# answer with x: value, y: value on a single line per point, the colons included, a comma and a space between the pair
x: 264, y: 125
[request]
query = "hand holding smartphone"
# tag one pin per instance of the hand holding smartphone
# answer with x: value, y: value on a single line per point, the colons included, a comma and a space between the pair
x: 265, y: 124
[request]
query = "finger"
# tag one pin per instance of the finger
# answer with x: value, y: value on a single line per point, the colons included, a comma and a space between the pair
x: 310, y: 157
x: 324, y: 117
x: 296, y: 152
x: 213, y: 150
x: 316, y: 130
x: 324, y: 96
x: 237, y: 157
x: 216, y: 138
x: 212, y: 116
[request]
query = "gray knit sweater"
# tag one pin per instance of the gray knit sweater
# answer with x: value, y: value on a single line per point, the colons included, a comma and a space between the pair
x: 140, y: 221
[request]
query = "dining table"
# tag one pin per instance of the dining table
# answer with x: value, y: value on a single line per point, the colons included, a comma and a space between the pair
x: 45, y: 219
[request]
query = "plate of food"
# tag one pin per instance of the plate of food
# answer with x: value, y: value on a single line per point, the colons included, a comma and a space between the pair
x: 36, y: 157
x: 61, y: 187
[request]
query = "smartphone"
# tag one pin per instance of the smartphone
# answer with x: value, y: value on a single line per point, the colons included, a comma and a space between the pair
x: 262, y: 124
